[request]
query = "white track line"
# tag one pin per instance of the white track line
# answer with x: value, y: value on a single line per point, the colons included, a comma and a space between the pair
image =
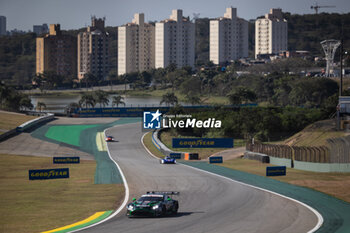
x: 126, y: 198
x: 318, y: 215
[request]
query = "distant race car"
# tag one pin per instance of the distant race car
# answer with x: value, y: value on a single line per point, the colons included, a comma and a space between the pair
x: 168, y: 160
x: 109, y: 139
x: 154, y: 203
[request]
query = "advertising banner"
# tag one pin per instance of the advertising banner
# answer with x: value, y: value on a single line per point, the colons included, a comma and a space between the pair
x: 276, y: 171
x: 202, y: 142
x: 64, y: 160
x: 46, y: 174
x: 215, y: 159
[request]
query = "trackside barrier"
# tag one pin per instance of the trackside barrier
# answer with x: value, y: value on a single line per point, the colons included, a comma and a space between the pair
x: 25, y: 126
x: 166, y: 151
x: 32, y: 123
x: 332, y: 158
x: 304, y: 154
x: 257, y: 156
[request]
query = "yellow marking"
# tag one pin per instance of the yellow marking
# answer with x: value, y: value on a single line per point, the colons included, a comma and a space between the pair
x: 92, y: 217
x: 100, y: 142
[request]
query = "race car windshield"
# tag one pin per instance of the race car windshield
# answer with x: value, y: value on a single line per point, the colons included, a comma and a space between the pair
x: 155, y: 199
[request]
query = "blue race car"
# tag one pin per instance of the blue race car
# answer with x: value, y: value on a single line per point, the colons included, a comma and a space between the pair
x: 168, y: 160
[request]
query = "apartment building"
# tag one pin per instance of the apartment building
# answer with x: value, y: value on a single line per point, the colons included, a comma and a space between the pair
x: 175, y: 41
x: 93, y: 54
x: 56, y: 52
x: 136, y: 46
x: 40, y: 29
x: 2, y: 25
x: 271, y: 34
x: 228, y: 38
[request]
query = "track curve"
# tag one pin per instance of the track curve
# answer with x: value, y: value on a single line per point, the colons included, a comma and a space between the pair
x: 208, y: 203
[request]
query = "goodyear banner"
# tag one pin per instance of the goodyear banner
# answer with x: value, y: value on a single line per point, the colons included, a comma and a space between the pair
x: 63, y: 160
x: 202, y: 142
x: 276, y: 171
x: 175, y: 155
x: 46, y: 174
x: 215, y: 159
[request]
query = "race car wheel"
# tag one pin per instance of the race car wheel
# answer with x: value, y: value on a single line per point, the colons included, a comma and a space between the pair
x: 163, y: 211
x: 175, y: 208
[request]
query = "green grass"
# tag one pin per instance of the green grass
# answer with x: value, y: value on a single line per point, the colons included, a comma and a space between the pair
x: 334, y: 184
x: 315, y: 134
x: 39, y: 205
x: 69, y: 134
x: 10, y: 120
x: 147, y: 140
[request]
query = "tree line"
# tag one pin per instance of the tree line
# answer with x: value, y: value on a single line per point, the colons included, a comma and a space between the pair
x: 261, y: 123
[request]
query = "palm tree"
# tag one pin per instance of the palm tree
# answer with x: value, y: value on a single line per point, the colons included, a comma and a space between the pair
x: 5, y: 93
x: 25, y: 103
x: 71, y: 107
x: 40, y: 106
x: 116, y: 100
x: 101, y: 97
x: 87, y: 99
x: 169, y: 99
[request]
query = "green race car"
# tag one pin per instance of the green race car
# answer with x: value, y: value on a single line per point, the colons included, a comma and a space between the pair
x: 154, y: 203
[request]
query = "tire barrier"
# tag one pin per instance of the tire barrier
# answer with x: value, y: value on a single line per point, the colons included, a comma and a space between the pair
x: 257, y: 156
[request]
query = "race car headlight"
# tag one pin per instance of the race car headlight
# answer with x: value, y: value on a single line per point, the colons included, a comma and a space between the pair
x: 130, y: 207
x: 155, y: 207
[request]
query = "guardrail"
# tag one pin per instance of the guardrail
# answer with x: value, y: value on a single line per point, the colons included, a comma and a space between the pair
x: 25, y: 126
x: 163, y: 148
x: 35, y: 122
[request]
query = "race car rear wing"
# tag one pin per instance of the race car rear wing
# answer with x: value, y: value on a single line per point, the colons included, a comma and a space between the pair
x: 164, y: 192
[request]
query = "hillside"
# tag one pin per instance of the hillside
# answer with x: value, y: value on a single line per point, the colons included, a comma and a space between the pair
x: 315, y: 134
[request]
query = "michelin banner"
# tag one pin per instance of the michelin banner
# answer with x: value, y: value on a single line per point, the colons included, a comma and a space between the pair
x: 202, y: 142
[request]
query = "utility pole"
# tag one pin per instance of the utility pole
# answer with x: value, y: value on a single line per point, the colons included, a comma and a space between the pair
x: 341, y: 59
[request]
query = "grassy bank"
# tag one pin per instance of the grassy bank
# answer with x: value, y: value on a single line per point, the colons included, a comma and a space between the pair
x: 334, y: 184
x: 316, y: 134
x: 10, y: 120
x: 34, y: 206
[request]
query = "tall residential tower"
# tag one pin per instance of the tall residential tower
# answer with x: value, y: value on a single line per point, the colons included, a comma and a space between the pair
x: 2, y: 25
x: 56, y: 52
x: 271, y: 33
x: 93, y: 57
x: 175, y: 41
x: 136, y: 46
x: 228, y: 38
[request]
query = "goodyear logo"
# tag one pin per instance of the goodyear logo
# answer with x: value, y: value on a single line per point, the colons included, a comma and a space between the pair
x: 202, y: 142
x: 276, y: 171
x: 215, y: 159
x: 63, y: 160
x: 46, y: 174
x: 175, y: 155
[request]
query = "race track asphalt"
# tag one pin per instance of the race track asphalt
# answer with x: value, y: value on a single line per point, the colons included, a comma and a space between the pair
x: 207, y: 203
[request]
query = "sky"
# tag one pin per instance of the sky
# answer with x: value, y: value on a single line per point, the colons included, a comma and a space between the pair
x: 75, y: 14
